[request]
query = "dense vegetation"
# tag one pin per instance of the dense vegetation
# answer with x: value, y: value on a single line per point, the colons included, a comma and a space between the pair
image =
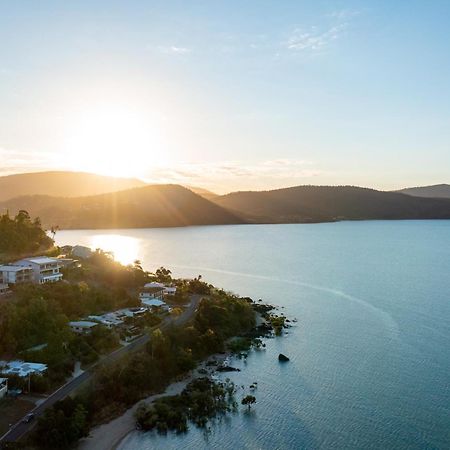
x: 329, y: 203
x: 37, y: 316
x: 169, y: 354
x: 436, y: 191
x: 149, y: 206
x: 202, y: 400
x: 21, y: 235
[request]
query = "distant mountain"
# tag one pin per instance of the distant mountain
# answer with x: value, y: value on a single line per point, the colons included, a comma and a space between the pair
x: 149, y: 206
x: 328, y: 203
x: 62, y: 184
x: 436, y: 191
x: 202, y: 192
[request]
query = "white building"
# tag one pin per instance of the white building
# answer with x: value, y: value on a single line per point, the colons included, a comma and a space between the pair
x: 22, y: 368
x: 155, y: 303
x: 130, y: 312
x: 45, y: 270
x: 4, y: 288
x: 170, y: 290
x: 3, y: 387
x: 157, y: 290
x: 16, y: 274
x: 109, y: 320
x: 83, y: 326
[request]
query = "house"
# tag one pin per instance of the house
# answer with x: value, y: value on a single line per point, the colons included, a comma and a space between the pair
x: 156, y: 290
x: 66, y: 262
x: 4, y: 289
x: 15, y: 274
x: 131, y: 312
x: 3, y: 387
x: 170, y: 290
x: 22, y: 368
x: 45, y: 270
x: 82, y: 326
x: 109, y: 320
x: 155, y: 303
x: 148, y: 293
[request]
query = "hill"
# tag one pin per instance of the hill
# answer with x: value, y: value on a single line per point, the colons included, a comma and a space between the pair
x: 149, y: 206
x: 202, y: 192
x: 328, y: 203
x: 21, y: 235
x: 62, y: 184
x: 436, y: 191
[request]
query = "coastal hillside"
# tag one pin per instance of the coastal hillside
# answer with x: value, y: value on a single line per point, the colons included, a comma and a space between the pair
x: 436, y: 191
x: 62, y: 184
x: 149, y: 206
x: 327, y: 203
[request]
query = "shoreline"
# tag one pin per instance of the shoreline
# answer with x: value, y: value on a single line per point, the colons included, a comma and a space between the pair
x: 110, y: 435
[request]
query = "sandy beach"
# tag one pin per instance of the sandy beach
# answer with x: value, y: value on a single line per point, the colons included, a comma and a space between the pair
x: 109, y: 435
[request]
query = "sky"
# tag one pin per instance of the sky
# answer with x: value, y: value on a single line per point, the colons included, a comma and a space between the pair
x: 228, y: 95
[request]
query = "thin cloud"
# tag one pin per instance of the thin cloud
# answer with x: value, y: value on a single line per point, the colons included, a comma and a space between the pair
x: 314, y: 39
x: 317, y: 38
x: 14, y: 161
x: 174, y: 50
x: 237, y: 173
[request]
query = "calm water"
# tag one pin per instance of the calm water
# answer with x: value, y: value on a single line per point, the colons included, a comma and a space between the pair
x: 370, y: 354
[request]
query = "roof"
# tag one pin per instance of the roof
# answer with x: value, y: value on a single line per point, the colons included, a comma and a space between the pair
x: 83, y: 324
x: 108, y: 319
x: 170, y: 289
x: 40, y: 260
x: 21, y: 368
x: 153, y: 302
x: 154, y: 284
x: 11, y: 268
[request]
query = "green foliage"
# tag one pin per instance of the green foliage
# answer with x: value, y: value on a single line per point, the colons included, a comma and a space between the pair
x: 248, y: 400
x: 169, y: 354
x: 278, y: 323
x: 101, y: 269
x: 163, y: 275
x: 21, y: 235
x: 61, y: 426
x: 202, y: 400
x: 197, y: 286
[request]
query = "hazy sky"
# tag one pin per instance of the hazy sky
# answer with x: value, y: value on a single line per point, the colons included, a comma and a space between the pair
x: 228, y: 94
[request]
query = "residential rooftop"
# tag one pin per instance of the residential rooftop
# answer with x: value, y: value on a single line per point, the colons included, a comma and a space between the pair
x: 21, y: 368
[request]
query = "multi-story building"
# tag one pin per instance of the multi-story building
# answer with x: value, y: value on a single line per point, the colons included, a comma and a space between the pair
x: 14, y: 274
x: 45, y: 270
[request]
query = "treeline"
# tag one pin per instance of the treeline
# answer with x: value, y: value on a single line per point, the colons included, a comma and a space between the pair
x: 168, y: 355
x: 21, y: 235
x: 102, y: 269
x: 202, y: 400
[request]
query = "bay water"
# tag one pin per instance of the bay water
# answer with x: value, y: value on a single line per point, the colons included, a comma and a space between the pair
x: 370, y: 352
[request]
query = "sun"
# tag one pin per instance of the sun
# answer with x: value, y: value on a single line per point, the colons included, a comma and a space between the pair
x: 111, y: 140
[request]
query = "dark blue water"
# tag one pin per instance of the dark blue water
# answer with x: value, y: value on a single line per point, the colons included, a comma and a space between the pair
x: 370, y: 353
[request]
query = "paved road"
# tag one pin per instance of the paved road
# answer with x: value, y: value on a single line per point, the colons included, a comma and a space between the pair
x: 19, y: 429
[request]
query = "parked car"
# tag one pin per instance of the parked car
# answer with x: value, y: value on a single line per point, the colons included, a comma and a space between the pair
x: 28, y: 418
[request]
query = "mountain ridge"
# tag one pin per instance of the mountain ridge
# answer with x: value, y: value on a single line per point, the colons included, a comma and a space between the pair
x: 441, y: 190
x: 62, y: 184
x: 149, y: 206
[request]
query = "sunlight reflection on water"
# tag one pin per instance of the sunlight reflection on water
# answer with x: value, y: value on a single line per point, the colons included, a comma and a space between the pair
x: 125, y: 249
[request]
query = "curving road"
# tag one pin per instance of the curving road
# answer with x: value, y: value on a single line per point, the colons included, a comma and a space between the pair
x: 20, y: 428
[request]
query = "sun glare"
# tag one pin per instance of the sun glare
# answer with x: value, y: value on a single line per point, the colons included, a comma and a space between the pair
x: 111, y: 140
x: 125, y: 249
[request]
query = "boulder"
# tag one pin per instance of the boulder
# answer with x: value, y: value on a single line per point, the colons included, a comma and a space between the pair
x: 283, y: 358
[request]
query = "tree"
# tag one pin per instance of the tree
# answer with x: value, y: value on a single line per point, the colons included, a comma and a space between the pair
x: 249, y: 400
